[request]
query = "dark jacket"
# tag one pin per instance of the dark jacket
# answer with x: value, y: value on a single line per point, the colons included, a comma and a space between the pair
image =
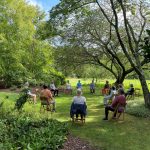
x: 78, y: 109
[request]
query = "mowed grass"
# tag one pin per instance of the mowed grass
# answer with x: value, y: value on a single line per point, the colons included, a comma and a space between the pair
x: 131, y: 134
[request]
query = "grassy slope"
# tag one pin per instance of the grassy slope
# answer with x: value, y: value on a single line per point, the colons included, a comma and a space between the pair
x: 132, y: 134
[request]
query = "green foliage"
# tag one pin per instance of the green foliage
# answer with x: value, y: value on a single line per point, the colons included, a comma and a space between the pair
x: 24, y: 54
x: 99, y: 133
x: 24, y: 133
x: 22, y: 99
x: 146, y: 46
x: 137, y: 109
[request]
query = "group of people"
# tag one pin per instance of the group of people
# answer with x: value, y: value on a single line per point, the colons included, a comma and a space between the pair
x: 115, y: 94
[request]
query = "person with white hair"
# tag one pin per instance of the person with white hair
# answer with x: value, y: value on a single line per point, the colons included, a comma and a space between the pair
x: 79, y: 99
x: 78, y: 105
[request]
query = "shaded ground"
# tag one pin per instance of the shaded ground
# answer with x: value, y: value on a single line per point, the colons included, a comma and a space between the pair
x: 75, y: 143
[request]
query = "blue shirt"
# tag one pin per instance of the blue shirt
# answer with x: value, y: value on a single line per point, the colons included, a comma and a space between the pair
x: 92, y: 86
x: 79, y: 85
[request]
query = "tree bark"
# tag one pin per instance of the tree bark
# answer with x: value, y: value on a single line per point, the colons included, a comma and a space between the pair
x: 145, y: 90
x: 120, y: 78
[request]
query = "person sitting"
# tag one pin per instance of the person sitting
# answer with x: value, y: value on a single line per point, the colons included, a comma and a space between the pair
x: 53, y: 88
x: 92, y: 87
x: 68, y: 88
x: 120, y: 99
x: 29, y: 93
x: 79, y: 85
x: 130, y: 91
x: 33, y: 96
x: 110, y: 96
x: 107, y: 86
x: 47, y: 95
x: 105, y: 90
x: 78, y: 105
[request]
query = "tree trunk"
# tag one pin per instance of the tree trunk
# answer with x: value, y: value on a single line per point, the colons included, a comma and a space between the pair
x: 120, y: 79
x: 145, y: 91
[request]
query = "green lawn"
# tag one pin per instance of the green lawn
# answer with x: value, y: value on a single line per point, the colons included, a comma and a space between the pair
x: 132, y: 134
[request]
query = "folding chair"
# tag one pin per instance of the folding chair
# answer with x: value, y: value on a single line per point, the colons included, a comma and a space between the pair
x: 105, y: 91
x: 45, y: 104
x: 76, y: 110
x: 119, y: 110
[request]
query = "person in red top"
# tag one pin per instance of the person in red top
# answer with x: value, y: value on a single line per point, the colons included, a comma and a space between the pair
x: 46, y: 93
x: 120, y: 99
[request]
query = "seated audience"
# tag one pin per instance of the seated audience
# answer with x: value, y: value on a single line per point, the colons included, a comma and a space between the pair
x: 120, y: 99
x: 68, y: 88
x: 53, y: 88
x: 130, y: 91
x: 79, y: 85
x: 46, y: 94
x: 92, y: 87
x: 110, y: 96
x: 78, y: 105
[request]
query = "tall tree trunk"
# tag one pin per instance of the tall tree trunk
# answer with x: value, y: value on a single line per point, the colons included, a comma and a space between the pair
x: 145, y: 90
x: 120, y: 79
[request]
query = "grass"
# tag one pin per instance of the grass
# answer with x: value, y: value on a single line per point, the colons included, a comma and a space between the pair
x: 132, y: 134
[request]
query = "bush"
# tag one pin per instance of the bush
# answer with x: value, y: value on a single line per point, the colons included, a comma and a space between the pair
x: 23, y: 133
x: 137, y: 109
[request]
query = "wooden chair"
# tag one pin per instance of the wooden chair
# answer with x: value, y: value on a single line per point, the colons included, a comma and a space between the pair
x: 78, y: 113
x: 119, y: 110
x: 68, y: 91
x: 105, y: 91
x: 45, y: 104
x: 77, y: 120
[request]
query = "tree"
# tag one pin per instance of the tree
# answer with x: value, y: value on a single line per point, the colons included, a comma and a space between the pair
x: 146, y: 46
x: 121, y: 16
x: 24, y: 55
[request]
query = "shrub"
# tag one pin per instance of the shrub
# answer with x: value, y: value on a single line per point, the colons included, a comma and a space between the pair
x: 137, y: 109
x: 23, y: 133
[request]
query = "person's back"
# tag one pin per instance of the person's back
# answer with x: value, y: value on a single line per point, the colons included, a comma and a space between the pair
x: 119, y: 100
x: 46, y: 93
x: 78, y: 105
x: 79, y: 99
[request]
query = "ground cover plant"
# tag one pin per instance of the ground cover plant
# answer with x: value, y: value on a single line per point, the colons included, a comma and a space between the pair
x: 132, y: 134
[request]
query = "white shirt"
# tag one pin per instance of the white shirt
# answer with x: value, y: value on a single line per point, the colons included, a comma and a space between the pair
x: 52, y: 86
x: 68, y: 86
x: 79, y: 99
